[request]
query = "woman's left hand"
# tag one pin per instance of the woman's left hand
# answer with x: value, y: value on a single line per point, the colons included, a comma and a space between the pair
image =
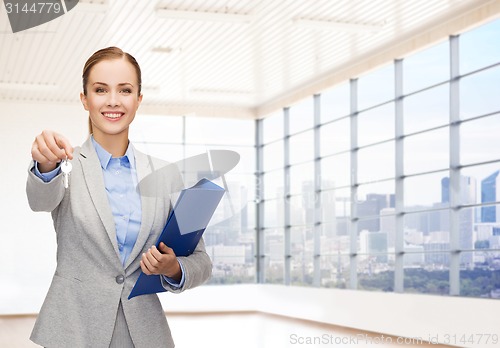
x: 164, y: 262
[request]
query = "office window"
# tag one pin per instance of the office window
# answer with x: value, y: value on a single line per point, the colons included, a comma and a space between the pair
x: 335, y: 137
x: 230, y: 236
x: 376, y: 124
x: 479, y: 48
x: 426, y: 68
x: 273, y: 155
x: 336, y: 171
x: 302, y: 147
x: 376, y: 87
x: 273, y: 184
x: 427, y: 109
x: 301, y: 115
x: 427, y: 273
x: 302, y: 263
x: 376, y: 162
x: 449, y: 213
x: 335, y: 271
x: 477, y: 139
x: 429, y: 151
x: 426, y: 191
x: 274, y: 256
x: 479, y: 93
x: 335, y: 102
x: 272, y: 128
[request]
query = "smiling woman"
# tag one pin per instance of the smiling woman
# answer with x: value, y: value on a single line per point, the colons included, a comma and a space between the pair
x: 104, y: 222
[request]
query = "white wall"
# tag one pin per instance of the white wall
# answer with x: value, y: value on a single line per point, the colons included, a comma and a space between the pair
x: 27, y: 240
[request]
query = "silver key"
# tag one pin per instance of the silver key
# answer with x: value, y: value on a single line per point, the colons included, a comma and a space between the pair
x: 66, y: 170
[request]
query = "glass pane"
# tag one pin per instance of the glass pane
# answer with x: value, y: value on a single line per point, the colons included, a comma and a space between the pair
x: 431, y: 276
x: 301, y: 209
x: 301, y: 115
x: 376, y: 125
x: 479, y: 274
x: 154, y: 128
x: 335, y: 102
x: 426, y: 68
x: 273, y: 184
x: 467, y: 190
x: 334, y: 239
x: 302, y: 178
x: 465, y: 230
x: 426, y: 191
x: 232, y: 264
x: 274, y: 213
x: 334, y: 204
x: 376, y: 87
x: 424, y: 152
x: 275, y: 255
x: 479, y: 47
x: 424, y: 231
x: 302, y: 147
x: 302, y: 250
x: 335, y: 271
x: 230, y: 249
x: 372, y: 198
x: 479, y: 93
x: 375, y: 272
x: 336, y: 171
x: 486, y: 226
x: 249, y: 211
x: 479, y: 185
x: 477, y: 138
x: 374, y: 234
x: 241, y: 187
x: 376, y: 162
x: 427, y: 109
x: 272, y: 127
x: 273, y: 156
x: 335, y: 137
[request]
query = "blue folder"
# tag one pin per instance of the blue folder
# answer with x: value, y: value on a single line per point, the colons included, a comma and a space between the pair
x: 184, y: 228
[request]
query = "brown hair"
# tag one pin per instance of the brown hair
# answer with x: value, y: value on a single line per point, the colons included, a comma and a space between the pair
x: 107, y: 54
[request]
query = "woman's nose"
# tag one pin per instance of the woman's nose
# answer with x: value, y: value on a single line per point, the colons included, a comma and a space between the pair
x: 113, y: 99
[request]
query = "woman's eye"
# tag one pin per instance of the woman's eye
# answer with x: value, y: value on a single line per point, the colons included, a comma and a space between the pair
x: 100, y: 90
x: 127, y: 90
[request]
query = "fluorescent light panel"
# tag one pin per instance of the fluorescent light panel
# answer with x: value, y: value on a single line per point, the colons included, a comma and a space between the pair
x: 203, y: 16
x: 42, y: 87
x: 338, y: 26
x: 220, y: 91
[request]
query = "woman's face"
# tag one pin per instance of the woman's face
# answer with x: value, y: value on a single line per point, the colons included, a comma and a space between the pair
x: 112, y: 97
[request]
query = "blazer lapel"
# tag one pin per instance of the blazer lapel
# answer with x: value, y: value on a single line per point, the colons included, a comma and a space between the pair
x: 144, y: 167
x: 92, y: 172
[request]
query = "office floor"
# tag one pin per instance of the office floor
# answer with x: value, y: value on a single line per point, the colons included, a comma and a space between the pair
x: 242, y: 330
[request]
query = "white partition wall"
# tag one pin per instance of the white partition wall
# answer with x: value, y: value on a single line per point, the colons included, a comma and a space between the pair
x: 27, y: 239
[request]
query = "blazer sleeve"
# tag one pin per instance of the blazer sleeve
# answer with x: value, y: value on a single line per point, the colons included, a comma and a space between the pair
x: 197, y: 269
x: 43, y: 196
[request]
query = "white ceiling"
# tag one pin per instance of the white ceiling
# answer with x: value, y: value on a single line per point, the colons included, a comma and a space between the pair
x: 212, y: 67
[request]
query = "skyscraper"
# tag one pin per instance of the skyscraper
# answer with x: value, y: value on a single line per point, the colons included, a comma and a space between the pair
x: 489, y: 189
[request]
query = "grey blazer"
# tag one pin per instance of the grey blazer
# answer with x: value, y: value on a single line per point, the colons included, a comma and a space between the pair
x: 89, y: 282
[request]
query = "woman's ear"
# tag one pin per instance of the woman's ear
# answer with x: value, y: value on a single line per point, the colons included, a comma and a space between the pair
x: 83, y: 99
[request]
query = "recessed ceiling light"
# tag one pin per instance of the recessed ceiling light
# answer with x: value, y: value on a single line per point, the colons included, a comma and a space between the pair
x: 18, y: 86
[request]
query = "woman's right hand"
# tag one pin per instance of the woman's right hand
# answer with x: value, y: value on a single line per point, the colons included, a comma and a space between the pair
x: 49, y: 148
